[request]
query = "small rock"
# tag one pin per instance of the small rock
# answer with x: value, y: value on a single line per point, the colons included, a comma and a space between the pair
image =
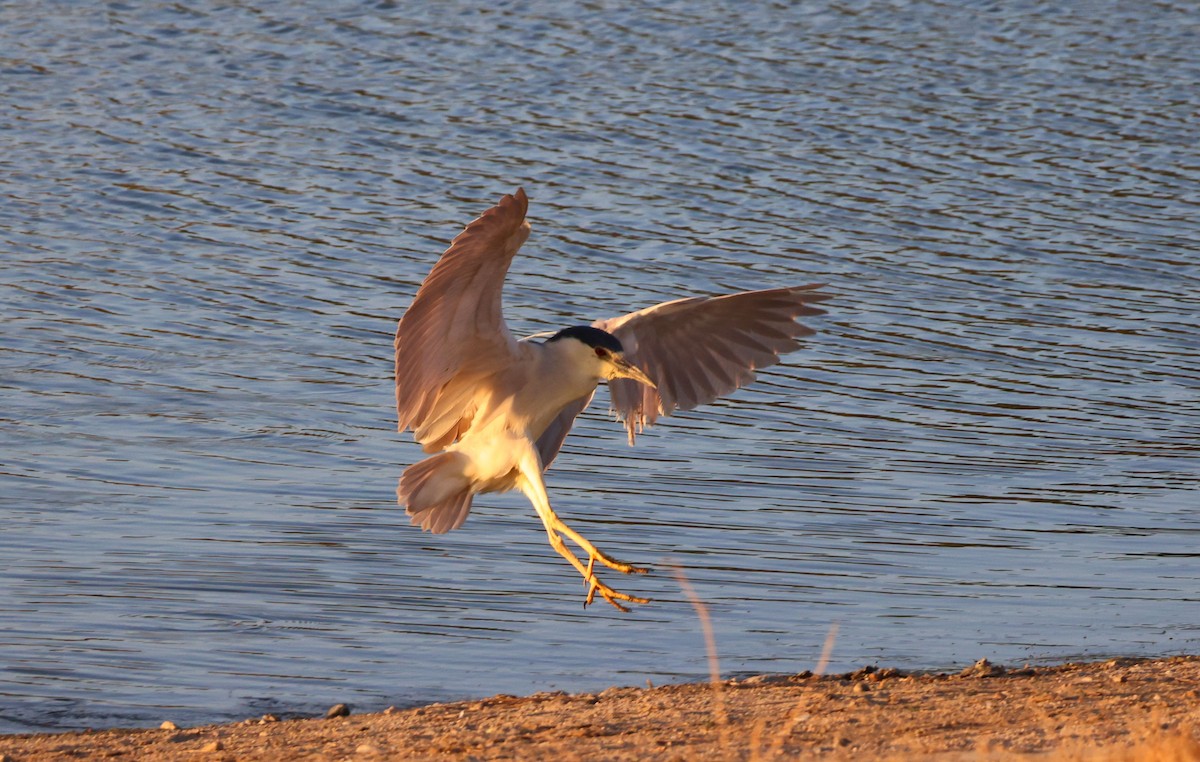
x: 213, y: 746
x: 394, y: 710
x: 765, y: 680
x: 168, y: 725
x: 338, y: 710
x: 862, y: 688
x: 982, y: 668
x: 366, y: 750
x: 547, y: 695
x: 267, y: 718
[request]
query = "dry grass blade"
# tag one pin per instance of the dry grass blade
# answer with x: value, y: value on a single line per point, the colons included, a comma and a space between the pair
x: 714, y: 665
x: 797, y: 712
x: 826, y: 650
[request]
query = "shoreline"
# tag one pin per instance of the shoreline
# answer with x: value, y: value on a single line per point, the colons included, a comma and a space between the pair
x: 1135, y: 709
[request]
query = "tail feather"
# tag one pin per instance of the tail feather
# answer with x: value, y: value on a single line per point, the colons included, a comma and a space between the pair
x: 444, y: 517
x: 435, y: 492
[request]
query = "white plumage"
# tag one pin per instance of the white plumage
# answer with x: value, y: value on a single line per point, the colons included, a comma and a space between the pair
x: 495, y: 410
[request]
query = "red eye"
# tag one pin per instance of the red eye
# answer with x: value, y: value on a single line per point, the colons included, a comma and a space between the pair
x: 601, y: 352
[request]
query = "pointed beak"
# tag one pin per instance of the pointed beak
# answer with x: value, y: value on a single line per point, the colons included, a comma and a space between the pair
x: 624, y: 369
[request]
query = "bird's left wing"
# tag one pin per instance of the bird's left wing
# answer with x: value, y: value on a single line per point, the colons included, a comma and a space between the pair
x: 551, y: 440
x: 453, y: 335
x: 698, y: 349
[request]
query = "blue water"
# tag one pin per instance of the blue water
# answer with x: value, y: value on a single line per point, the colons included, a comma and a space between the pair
x: 211, y: 216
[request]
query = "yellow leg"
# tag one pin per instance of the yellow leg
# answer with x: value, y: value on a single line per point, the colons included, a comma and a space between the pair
x: 593, y: 552
x: 535, y: 489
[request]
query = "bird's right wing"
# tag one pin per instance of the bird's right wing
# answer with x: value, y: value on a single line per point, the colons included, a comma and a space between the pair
x: 698, y: 349
x: 453, y: 335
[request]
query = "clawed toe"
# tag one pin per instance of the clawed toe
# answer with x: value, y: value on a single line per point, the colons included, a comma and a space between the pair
x: 616, y: 565
x: 612, y: 596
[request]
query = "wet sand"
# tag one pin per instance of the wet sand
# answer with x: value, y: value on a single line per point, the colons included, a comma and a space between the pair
x: 1114, y: 710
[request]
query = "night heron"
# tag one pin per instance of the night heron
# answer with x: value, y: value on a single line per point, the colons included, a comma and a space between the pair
x: 495, y: 409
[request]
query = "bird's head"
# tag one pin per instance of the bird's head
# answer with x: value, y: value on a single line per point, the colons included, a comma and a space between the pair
x: 603, y: 351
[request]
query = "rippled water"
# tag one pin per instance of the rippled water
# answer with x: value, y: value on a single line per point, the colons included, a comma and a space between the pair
x: 212, y: 214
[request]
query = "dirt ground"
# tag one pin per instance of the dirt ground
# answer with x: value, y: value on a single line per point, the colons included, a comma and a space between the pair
x: 1130, y: 710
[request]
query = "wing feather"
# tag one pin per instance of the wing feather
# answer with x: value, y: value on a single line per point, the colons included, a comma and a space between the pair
x: 551, y: 440
x: 701, y: 348
x: 454, y: 329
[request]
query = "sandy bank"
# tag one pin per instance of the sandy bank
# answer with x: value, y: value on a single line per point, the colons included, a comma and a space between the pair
x: 1114, y: 710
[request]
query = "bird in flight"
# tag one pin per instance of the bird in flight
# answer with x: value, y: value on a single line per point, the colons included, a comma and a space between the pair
x: 493, y: 410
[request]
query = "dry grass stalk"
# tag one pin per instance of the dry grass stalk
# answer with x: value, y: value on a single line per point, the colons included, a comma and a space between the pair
x: 776, y: 749
x: 714, y: 664
x: 826, y: 650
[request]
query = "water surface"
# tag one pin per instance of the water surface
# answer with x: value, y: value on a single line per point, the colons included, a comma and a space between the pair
x: 211, y: 216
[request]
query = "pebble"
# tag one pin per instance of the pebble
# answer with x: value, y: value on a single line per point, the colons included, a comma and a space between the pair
x: 338, y: 710
x: 168, y: 725
x: 765, y: 680
x: 213, y: 746
x: 982, y: 668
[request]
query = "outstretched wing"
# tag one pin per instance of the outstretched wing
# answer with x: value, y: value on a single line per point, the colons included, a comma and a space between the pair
x: 453, y: 335
x: 702, y: 348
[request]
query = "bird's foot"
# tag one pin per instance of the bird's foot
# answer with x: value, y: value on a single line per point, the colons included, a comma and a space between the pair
x: 612, y: 596
x: 555, y: 526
